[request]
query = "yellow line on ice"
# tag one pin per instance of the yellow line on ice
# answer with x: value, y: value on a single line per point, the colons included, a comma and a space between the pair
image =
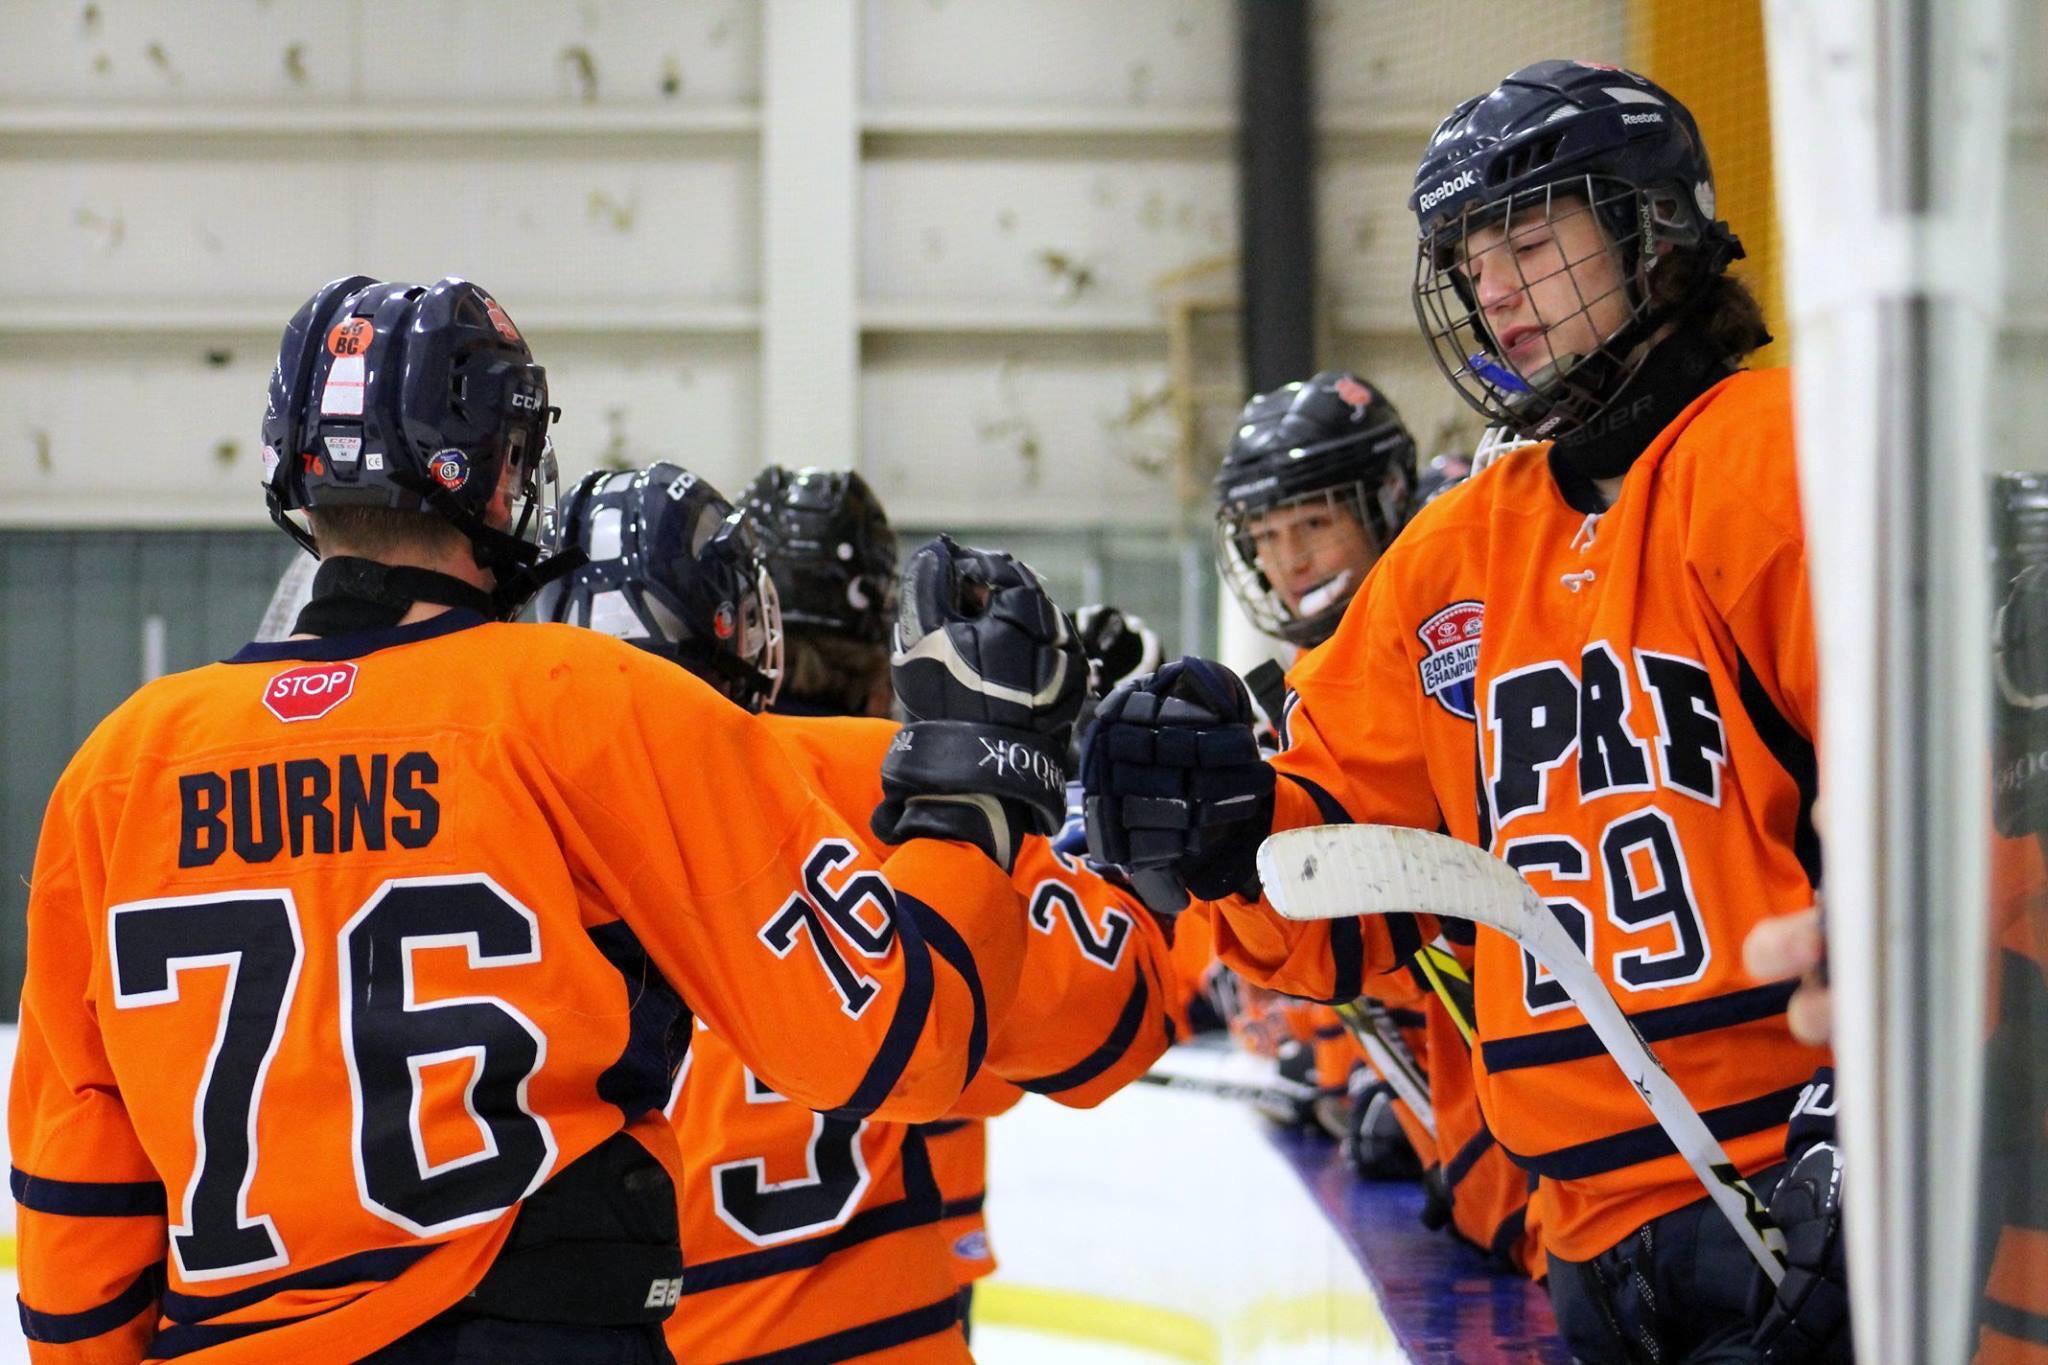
x: 1092, y: 1317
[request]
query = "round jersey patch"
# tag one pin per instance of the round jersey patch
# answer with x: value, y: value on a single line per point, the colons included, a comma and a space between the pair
x: 450, y: 469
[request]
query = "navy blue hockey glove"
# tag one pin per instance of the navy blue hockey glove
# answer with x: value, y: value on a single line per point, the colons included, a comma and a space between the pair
x: 1804, y: 1320
x: 1177, y: 793
x: 992, y: 675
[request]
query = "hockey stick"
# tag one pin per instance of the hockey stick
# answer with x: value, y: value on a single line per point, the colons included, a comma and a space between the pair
x: 1339, y: 871
x: 1390, y: 1057
x: 1229, y: 1075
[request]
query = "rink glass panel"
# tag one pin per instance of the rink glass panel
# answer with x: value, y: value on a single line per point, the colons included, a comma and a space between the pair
x: 2011, y: 1279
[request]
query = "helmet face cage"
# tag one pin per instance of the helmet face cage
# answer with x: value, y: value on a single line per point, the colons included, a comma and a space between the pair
x: 1314, y: 619
x: 674, y: 569
x: 1555, y: 391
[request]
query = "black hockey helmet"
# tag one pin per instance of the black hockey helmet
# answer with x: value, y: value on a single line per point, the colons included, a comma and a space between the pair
x: 673, y: 568
x: 1333, y: 437
x: 412, y: 397
x: 1551, y: 139
x: 830, y: 548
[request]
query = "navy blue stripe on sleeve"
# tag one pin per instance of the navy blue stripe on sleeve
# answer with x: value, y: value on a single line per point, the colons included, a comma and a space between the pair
x: 906, y: 1025
x: 940, y: 933
x: 87, y: 1198
x: 1105, y: 1056
x: 62, y: 1329
x: 1347, y: 938
x: 1795, y: 755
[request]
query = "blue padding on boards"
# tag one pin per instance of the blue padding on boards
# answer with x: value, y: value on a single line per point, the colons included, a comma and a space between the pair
x: 1445, y: 1305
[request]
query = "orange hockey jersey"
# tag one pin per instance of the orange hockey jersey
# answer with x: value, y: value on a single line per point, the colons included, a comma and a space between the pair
x: 340, y: 950
x: 829, y: 1239
x: 959, y: 1149
x: 1622, y: 706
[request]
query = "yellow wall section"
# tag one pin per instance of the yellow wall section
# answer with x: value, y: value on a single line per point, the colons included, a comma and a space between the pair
x: 1710, y: 54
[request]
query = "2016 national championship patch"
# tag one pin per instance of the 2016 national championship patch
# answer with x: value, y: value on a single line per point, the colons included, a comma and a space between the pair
x: 1448, y: 669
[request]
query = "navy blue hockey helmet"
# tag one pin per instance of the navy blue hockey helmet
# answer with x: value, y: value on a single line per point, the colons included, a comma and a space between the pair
x: 1553, y: 139
x: 1332, y: 438
x: 673, y: 568
x: 830, y: 548
x: 411, y: 397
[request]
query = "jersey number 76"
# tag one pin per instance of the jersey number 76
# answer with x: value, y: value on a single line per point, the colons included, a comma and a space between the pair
x: 388, y: 1037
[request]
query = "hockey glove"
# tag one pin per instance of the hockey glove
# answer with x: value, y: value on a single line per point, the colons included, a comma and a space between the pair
x: 1374, y: 1142
x: 1177, y: 793
x: 1805, y: 1319
x: 991, y: 673
x: 1291, y: 1103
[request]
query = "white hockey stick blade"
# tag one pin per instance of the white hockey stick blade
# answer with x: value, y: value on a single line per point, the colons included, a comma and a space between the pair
x: 1340, y: 871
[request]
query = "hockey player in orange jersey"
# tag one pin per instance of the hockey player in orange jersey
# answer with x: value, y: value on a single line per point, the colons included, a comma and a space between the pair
x: 804, y: 1233
x: 834, y: 563
x: 358, y: 964
x: 1319, y: 478
x: 1595, y: 658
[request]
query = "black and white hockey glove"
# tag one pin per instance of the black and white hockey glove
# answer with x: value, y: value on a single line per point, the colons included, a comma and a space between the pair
x: 1804, y: 1320
x: 991, y: 673
x: 1177, y: 793
x: 1119, y: 647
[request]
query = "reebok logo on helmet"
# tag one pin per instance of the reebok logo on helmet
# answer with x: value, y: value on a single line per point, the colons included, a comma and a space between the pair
x: 1463, y: 180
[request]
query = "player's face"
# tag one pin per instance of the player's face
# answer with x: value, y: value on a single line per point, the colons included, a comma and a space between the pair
x: 1549, y: 284
x: 1314, y: 551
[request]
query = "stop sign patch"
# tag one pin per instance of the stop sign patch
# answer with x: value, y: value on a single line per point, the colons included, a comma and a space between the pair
x: 309, y: 691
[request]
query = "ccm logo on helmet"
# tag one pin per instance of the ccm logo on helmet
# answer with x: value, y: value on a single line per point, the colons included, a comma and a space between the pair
x: 309, y: 691
x: 1463, y: 180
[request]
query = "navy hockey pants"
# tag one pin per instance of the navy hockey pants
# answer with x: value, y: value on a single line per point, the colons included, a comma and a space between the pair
x: 1681, y: 1281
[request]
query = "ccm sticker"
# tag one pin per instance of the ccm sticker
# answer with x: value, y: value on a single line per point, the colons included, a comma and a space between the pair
x: 1451, y: 639
x: 309, y: 691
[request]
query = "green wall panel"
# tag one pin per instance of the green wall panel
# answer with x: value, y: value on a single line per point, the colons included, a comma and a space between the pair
x: 73, y: 610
